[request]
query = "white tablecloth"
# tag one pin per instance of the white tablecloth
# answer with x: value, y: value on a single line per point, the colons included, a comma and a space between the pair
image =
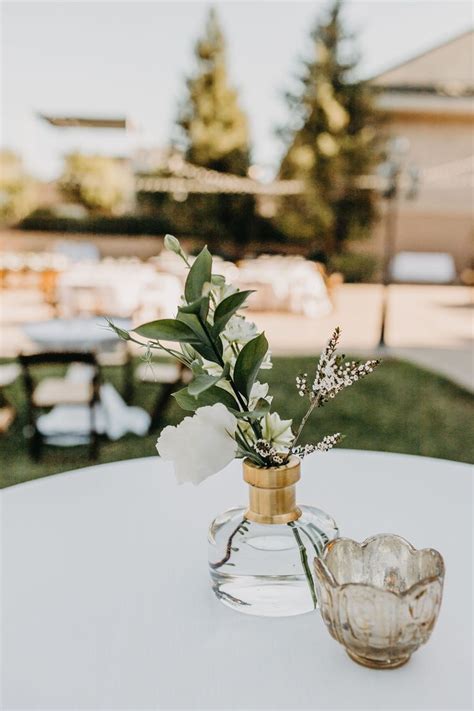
x: 74, y: 333
x: 281, y: 283
x: 107, y: 604
x: 118, y: 288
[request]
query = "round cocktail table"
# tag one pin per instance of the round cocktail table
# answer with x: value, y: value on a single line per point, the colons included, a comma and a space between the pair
x: 107, y: 602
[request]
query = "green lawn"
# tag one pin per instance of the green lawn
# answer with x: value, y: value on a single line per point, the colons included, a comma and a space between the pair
x: 399, y: 408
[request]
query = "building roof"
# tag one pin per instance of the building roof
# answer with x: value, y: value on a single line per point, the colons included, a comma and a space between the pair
x: 119, y: 122
x: 444, y: 70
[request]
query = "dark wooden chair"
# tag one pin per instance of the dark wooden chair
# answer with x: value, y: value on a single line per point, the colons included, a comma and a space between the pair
x: 119, y: 357
x: 50, y: 391
x: 169, y: 376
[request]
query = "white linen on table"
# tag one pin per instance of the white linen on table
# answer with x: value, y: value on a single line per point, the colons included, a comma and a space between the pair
x: 285, y: 283
x: 160, y: 299
x: 75, y: 333
x: 115, y: 287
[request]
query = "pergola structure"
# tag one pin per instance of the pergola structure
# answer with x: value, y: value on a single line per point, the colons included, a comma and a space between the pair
x: 171, y: 173
x: 166, y: 171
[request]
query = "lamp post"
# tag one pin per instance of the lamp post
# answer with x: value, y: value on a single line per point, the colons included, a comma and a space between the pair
x: 392, y: 172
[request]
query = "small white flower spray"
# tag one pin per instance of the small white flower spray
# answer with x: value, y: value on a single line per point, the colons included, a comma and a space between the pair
x: 332, y: 375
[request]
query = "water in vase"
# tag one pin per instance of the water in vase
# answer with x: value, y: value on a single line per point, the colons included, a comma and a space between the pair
x: 267, y: 569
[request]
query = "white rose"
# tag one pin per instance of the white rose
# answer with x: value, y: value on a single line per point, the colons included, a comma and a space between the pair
x: 201, y: 445
x: 277, y: 431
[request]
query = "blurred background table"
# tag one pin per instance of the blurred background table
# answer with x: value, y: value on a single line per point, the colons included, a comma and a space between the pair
x: 74, y: 334
x: 107, y: 603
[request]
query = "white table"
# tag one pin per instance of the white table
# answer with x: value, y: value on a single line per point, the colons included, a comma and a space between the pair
x: 75, y: 333
x: 107, y: 604
x: 114, y: 286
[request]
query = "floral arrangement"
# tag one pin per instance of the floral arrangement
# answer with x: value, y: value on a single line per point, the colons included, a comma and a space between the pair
x: 232, y: 409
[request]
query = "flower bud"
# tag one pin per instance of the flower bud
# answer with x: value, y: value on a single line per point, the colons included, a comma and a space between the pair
x: 172, y: 244
x: 121, y: 333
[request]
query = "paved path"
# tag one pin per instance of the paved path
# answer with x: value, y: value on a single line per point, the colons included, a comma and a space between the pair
x: 430, y: 325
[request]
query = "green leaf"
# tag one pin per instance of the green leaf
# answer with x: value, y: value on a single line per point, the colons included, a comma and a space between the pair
x: 227, y: 308
x: 248, y: 364
x: 211, y: 396
x: 202, y: 343
x: 206, y: 352
x: 192, y: 322
x: 201, y: 383
x: 167, y: 329
x: 259, y: 411
x: 199, y: 307
x: 245, y: 451
x: 198, y: 275
x: 196, y: 367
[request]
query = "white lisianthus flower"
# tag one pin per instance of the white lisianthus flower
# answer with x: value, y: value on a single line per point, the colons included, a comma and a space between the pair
x: 238, y: 330
x: 211, y: 368
x: 267, y: 361
x: 201, y: 445
x: 259, y: 391
x: 222, y: 291
x: 228, y: 357
x: 277, y: 432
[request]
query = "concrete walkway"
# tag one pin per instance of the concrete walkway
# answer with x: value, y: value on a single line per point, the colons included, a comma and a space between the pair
x: 432, y: 326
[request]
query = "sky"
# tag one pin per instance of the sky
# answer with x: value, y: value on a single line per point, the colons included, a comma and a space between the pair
x: 131, y: 58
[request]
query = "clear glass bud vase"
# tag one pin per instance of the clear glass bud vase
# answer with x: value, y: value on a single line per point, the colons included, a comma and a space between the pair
x: 261, y: 557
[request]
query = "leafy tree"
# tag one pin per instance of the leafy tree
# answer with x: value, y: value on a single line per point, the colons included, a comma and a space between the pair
x: 333, y: 139
x: 215, y: 135
x: 18, y: 192
x: 100, y: 183
x: 214, y: 127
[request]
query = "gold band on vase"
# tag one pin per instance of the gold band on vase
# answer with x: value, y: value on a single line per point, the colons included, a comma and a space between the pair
x: 272, y: 492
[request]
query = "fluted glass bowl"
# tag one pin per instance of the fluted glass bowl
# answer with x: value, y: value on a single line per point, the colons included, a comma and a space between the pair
x: 380, y: 598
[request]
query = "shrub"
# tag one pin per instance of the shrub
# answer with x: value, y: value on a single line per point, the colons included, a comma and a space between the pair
x: 97, y: 182
x: 47, y: 221
x: 355, y: 267
x: 18, y: 192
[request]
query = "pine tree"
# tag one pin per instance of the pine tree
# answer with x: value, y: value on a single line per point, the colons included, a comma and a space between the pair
x: 334, y: 142
x: 214, y: 128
